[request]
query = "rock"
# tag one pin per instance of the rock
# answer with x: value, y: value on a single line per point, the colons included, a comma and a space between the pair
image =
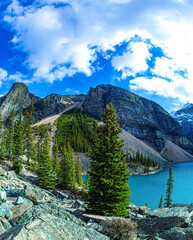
x: 60, y: 195
x: 34, y: 194
x: 6, y: 210
x: 144, y: 210
x: 178, y: 233
x: 4, y: 225
x: 18, y: 210
x: 133, y: 208
x: 15, y: 192
x: 50, y: 221
x: 19, y: 201
x: 2, y: 172
x: 78, y: 204
x: 3, y: 196
x: 11, y: 175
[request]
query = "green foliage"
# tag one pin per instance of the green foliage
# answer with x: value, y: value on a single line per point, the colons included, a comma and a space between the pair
x: 4, y: 154
x: 146, y: 204
x: 109, y: 192
x: 170, y: 186
x: 78, y: 170
x: 161, y: 202
x: 10, y: 133
x: 28, y: 143
x: 18, y: 144
x: 56, y: 160
x: 45, y: 173
x: 68, y: 168
x: 77, y: 128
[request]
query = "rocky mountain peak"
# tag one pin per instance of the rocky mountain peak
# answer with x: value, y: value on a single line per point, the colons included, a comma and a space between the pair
x: 141, y: 117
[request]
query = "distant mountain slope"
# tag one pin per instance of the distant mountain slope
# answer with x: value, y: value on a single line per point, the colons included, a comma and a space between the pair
x: 141, y: 117
x: 185, y: 117
x: 174, y: 153
x: 55, y: 104
x: 132, y: 144
x: 18, y: 97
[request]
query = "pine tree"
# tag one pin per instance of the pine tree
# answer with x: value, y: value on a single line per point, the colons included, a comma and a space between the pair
x: 56, y: 160
x: 109, y: 192
x: 45, y: 173
x: 10, y: 133
x: 68, y: 168
x: 161, y: 202
x: 3, y: 149
x: 78, y: 171
x: 18, y: 144
x: 168, y: 200
x: 28, y: 131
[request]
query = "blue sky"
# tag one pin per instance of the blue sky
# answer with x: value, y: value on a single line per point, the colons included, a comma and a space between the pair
x: 68, y: 46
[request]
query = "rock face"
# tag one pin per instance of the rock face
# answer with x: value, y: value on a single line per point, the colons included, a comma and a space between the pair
x: 29, y: 212
x: 185, y: 117
x: 18, y: 97
x: 54, y: 104
x: 141, y: 117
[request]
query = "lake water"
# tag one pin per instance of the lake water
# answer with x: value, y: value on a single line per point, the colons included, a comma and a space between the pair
x: 150, y: 188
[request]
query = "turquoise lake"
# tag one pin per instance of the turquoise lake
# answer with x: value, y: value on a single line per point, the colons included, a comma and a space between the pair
x: 150, y: 188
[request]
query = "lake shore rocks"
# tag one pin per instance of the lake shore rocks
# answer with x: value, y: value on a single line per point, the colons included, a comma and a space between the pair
x: 30, y: 212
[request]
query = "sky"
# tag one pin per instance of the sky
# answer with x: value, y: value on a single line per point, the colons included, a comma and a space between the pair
x: 68, y: 46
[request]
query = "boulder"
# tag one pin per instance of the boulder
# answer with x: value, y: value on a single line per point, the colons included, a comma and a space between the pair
x: 4, y: 225
x: 178, y: 233
x: 34, y: 194
x: 19, y: 201
x: 11, y: 175
x: 62, y: 196
x: 2, y: 172
x: 6, y: 210
x: 50, y: 221
x: 78, y: 204
x: 3, y: 196
x: 18, y: 210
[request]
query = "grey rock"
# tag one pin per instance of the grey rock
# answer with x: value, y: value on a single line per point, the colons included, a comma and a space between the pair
x: 3, y: 172
x: 19, y: 201
x: 18, y: 210
x: 178, y: 233
x: 6, y: 210
x: 3, y: 196
x: 4, y: 225
x: 50, y: 221
x: 60, y: 195
x: 34, y: 194
x: 144, y: 210
x: 78, y: 204
x: 11, y: 175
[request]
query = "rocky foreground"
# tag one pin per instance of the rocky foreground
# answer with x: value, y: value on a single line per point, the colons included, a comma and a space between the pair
x: 30, y: 212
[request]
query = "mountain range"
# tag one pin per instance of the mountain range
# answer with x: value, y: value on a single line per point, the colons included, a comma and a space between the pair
x: 144, y: 119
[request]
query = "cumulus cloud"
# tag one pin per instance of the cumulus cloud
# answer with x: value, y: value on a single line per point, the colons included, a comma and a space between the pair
x: 3, y: 75
x: 133, y: 60
x: 60, y: 38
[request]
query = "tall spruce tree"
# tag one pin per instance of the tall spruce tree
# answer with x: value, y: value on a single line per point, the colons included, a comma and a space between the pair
x: 68, y: 168
x: 28, y: 132
x: 170, y: 186
x: 109, y: 192
x: 18, y: 144
x: 10, y: 133
x: 78, y: 171
x: 161, y: 202
x: 56, y: 160
x: 45, y: 172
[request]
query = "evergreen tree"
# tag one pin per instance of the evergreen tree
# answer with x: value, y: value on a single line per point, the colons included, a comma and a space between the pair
x: 3, y: 149
x: 161, y: 202
x: 109, y: 192
x: 33, y: 155
x: 45, y: 173
x: 28, y: 131
x: 18, y: 144
x: 10, y: 133
x: 56, y: 160
x: 68, y: 168
x: 79, y: 172
x: 168, y: 200
x: 146, y: 204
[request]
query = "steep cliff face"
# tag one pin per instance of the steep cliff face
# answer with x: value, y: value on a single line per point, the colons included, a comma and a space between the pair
x: 54, y: 104
x: 185, y: 117
x: 143, y: 118
x: 18, y: 97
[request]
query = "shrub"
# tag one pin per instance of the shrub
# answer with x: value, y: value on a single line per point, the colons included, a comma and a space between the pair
x: 119, y: 229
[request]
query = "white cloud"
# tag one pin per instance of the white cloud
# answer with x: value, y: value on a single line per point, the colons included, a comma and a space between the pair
x: 68, y: 90
x: 134, y: 60
x: 3, y: 75
x: 59, y: 41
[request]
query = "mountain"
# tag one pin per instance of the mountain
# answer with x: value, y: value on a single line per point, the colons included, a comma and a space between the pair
x: 18, y: 97
x: 185, y: 118
x: 54, y: 104
x: 141, y: 117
